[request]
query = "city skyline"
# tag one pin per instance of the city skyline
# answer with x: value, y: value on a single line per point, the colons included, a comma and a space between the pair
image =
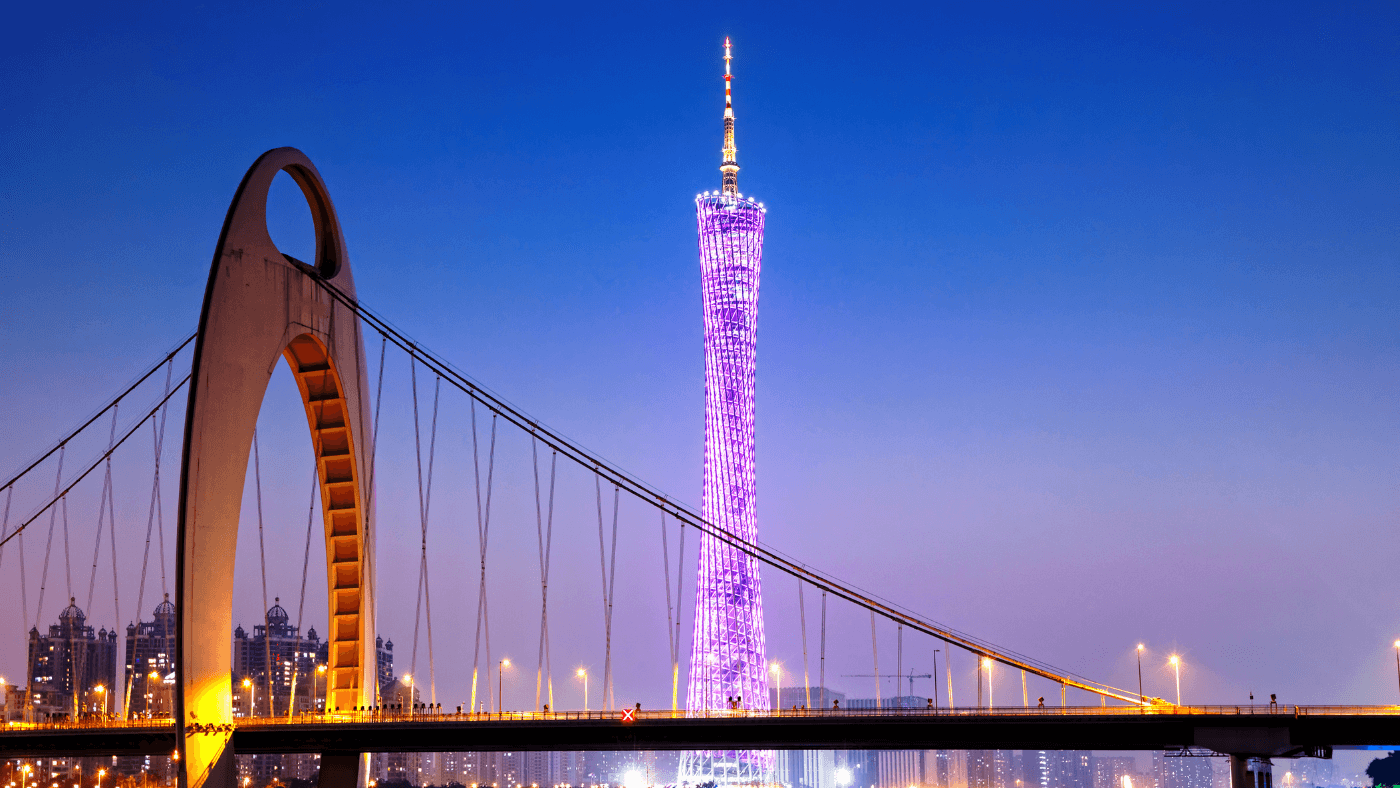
x: 1064, y: 326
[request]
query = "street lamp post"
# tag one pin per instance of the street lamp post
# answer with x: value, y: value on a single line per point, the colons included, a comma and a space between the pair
x: 100, y: 772
x: 987, y: 665
x: 501, y: 685
x: 101, y: 690
x: 1176, y: 665
x: 777, y: 672
x: 583, y: 674
x: 1141, y: 697
x: 24, y: 774
x: 408, y: 687
x: 248, y: 685
x: 320, y: 676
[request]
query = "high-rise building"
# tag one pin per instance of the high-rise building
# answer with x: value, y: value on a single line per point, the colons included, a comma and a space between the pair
x: 727, y: 663
x: 276, y: 667
x: 72, y: 670
x: 150, y: 663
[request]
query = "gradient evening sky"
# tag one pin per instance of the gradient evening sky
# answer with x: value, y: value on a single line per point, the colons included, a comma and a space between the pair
x: 1078, y: 323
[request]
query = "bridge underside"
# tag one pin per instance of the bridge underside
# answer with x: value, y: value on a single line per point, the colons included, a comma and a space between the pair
x: 1281, y: 735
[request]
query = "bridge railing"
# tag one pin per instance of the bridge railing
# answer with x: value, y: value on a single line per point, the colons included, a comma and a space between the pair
x: 421, y: 717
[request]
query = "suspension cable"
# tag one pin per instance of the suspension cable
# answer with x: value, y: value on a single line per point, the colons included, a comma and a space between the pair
x: 70, y: 436
x: 764, y: 553
x: 59, y: 494
x: 262, y: 561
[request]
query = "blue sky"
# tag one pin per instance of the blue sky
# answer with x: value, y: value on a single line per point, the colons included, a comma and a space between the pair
x: 1083, y: 318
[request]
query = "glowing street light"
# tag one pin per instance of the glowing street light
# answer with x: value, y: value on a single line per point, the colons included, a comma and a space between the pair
x: 101, y: 690
x: 100, y: 773
x: 777, y: 671
x: 248, y: 685
x: 844, y: 776
x: 1176, y: 665
x: 320, y: 675
x: 1141, y: 697
x: 583, y: 674
x: 24, y: 772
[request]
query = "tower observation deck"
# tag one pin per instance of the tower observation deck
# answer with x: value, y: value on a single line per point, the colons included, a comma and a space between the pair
x: 727, y: 662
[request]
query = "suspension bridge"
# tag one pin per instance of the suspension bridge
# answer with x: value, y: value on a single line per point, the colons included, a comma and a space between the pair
x: 260, y: 306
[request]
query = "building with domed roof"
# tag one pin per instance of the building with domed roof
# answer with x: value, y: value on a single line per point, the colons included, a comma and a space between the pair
x: 150, y: 663
x: 72, y: 670
x: 293, y: 680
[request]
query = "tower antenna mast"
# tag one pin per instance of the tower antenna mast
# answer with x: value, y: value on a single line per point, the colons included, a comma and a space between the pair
x: 729, y: 166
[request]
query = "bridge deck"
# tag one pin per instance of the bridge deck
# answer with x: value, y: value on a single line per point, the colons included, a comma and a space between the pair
x: 1278, y: 731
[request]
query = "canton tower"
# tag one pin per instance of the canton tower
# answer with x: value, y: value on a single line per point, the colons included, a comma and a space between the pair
x: 727, y: 663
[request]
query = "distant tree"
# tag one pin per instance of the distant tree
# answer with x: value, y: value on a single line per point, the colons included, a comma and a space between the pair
x: 1385, y: 771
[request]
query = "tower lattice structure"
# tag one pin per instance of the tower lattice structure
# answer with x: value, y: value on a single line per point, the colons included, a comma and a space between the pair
x: 727, y: 661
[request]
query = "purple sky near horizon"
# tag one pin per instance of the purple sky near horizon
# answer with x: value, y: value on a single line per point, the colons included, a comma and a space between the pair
x: 1077, y: 330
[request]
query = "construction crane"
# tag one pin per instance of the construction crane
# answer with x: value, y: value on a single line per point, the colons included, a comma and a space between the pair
x: 911, y: 676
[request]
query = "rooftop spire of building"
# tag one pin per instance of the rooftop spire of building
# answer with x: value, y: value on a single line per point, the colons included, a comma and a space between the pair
x: 729, y: 166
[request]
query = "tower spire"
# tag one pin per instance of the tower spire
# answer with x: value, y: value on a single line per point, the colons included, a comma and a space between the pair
x: 729, y: 166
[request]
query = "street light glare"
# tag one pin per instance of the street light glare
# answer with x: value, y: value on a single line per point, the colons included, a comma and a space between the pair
x: 580, y: 673
x: 1141, y: 647
x: 505, y: 663
x: 1174, y: 659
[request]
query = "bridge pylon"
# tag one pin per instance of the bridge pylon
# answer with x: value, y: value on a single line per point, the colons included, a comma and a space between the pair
x: 261, y: 305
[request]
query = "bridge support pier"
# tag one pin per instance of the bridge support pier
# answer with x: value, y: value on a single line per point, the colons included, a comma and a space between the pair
x: 342, y: 770
x: 1247, y: 771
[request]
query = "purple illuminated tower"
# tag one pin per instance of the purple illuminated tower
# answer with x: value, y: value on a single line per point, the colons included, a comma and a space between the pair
x: 727, y: 664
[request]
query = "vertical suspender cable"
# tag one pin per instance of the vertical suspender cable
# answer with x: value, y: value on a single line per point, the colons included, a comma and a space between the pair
x: 483, y: 526
x: 875, y: 656
x: 549, y: 537
x: 680, y: 574
x: 609, y: 576
x: 155, y: 484
x: 821, y: 671
x: 157, y: 442
x: 934, y: 678
x: 670, y: 615
x: 425, y: 493
x: 369, y: 501
x: 301, y: 603
x: 48, y: 546
x: 806, y: 678
x: 899, y: 665
x: 544, y: 533
x: 5, y: 529
x: 262, y: 561
x: 105, y: 507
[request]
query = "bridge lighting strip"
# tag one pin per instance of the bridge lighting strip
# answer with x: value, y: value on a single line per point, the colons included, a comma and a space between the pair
x: 654, y: 497
x: 98, y: 414
x: 104, y: 455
